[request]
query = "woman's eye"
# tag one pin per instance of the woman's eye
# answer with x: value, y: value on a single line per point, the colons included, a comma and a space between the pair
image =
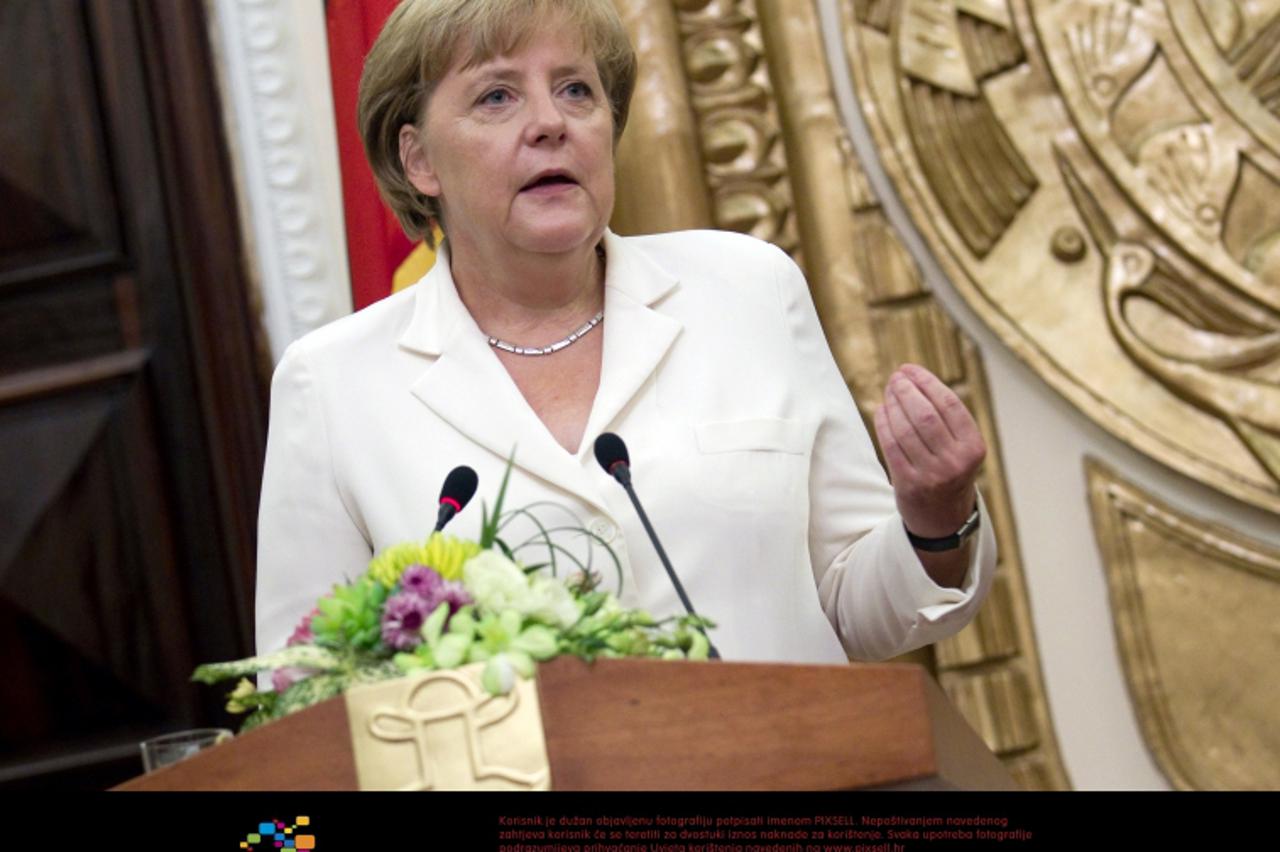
x: 496, y: 97
x: 578, y: 90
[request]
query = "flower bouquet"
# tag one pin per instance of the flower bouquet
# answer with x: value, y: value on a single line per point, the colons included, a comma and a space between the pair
x: 447, y: 602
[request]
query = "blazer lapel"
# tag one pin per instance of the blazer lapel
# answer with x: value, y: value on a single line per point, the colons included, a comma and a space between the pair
x: 637, y: 336
x: 466, y: 385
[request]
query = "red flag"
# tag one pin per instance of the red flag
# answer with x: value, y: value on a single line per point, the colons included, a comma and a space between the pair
x: 376, y: 246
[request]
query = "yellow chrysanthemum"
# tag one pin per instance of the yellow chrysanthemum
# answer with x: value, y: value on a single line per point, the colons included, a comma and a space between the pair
x: 447, y: 554
x: 443, y: 553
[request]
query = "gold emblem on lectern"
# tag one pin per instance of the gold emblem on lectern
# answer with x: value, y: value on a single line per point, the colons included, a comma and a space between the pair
x: 443, y: 731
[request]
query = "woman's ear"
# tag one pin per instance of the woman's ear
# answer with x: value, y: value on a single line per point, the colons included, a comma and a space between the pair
x: 416, y: 164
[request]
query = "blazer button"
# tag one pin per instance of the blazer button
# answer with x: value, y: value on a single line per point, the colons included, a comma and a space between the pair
x: 603, y: 529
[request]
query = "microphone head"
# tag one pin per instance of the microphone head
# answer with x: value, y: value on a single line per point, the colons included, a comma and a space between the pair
x: 459, y: 486
x: 610, y: 450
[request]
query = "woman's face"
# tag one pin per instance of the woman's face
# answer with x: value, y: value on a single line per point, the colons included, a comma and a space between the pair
x: 519, y: 149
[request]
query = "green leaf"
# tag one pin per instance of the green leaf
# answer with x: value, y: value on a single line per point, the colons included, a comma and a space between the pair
x: 700, y: 647
x: 373, y: 673
x: 434, y: 625
x: 521, y: 662
x: 489, y: 528
x: 463, y: 622
x: 305, y: 693
x: 537, y: 641
x: 302, y: 656
x: 255, y: 719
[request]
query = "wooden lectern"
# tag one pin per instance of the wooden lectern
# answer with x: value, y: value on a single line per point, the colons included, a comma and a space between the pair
x: 669, y: 725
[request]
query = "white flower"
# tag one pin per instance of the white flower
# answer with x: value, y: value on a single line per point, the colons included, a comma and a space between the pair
x: 494, y: 581
x: 551, y: 602
x: 499, y: 675
x: 497, y: 584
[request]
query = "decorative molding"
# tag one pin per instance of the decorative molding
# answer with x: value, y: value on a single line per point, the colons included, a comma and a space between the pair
x: 1195, y: 616
x: 733, y: 99
x: 1091, y: 175
x: 274, y: 69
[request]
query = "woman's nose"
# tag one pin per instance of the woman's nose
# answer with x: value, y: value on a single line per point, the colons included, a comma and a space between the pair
x: 546, y: 120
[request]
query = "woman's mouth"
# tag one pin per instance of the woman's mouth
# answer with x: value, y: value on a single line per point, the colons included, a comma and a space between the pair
x: 549, y: 183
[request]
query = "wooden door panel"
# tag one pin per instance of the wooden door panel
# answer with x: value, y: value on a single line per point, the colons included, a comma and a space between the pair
x: 55, y: 196
x: 130, y: 437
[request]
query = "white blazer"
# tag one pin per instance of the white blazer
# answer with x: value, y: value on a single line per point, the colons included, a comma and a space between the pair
x: 746, y: 448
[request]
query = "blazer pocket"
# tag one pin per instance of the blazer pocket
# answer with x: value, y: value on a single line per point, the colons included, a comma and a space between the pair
x: 771, y: 434
x: 758, y: 465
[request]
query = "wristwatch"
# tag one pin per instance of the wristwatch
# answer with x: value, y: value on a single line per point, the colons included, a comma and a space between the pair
x: 947, y: 542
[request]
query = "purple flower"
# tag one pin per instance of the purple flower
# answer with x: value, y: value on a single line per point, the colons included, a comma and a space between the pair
x: 302, y: 633
x: 421, y: 580
x: 402, y: 618
x: 455, y: 593
x: 427, y: 584
x: 282, y: 679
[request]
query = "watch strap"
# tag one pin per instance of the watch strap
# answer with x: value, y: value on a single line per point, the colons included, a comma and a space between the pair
x: 946, y: 542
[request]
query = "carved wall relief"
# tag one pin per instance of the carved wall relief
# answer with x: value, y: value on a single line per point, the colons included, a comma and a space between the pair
x: 1135, y: 264
x: 778, y: 165
x: 1204, y: 686
x: 283, y: 138
x: 733, y: 98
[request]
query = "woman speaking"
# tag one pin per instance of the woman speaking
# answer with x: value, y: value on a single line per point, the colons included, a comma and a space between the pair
x: 538, y: 329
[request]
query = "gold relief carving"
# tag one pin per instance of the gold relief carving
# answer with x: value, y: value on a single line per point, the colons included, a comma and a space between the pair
x: 975, y: 171
x: 1253, y: 52
x: 1068, y: 244
x: 993, y: 635
x: 1194, y: 606
x: 1193, y: 173
x: 979, y: 178
x: 1152, y: 105
x: 1031, y: 772
x: 877, y: 312
x: 1251, y: 232
x: 732, y: 97
x: 919, y: 333
x: 998, y: 707
x: 875, y: 13
x: 442, y: 731
x: 1109, y: 46
x: 1201, y: 343
x: 1140, y: 274
x: 1232, y: 47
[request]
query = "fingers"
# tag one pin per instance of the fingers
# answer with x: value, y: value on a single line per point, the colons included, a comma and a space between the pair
x: 894, y: 457
x: 900, y: 422
x: 955, y: 416
x: 926, y: 420
x: 918, y: 415
x: 932, y: 447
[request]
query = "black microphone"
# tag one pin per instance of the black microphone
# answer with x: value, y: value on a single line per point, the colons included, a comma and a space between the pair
x: 459, y: 487
x: 612, y: 455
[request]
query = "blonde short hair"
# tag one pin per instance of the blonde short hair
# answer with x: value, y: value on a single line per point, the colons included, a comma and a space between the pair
x: 419, y: 44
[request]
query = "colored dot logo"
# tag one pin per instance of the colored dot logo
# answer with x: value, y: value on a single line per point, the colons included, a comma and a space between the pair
x: 275, y: 835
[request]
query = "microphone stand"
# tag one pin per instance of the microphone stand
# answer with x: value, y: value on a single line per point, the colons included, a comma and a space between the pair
x: 622, y: 473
